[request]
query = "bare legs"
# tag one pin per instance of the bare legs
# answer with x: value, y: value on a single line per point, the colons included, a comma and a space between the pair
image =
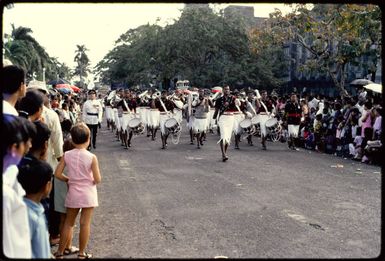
x: 69, y: 223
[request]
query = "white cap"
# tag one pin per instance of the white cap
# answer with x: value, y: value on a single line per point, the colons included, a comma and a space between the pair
x: 38, y: 85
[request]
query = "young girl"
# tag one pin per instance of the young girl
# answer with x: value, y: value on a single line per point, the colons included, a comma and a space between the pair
x: 83, y: 175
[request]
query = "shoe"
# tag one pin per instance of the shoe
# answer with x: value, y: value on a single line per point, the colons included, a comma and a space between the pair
x: 94, y: 146
x: 163, y: 147
x: 191, y: 143
x: 224, y: 158
x: 264, y: 147
x: 71, y: 250
x: 236, y: 147
x: 85, y: 256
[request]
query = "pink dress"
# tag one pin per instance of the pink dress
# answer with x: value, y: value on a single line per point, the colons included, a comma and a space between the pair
x: 82, y: 191
x: 366, y: 124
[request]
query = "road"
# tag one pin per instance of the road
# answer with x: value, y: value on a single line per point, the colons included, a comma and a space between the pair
x: 184, y: 202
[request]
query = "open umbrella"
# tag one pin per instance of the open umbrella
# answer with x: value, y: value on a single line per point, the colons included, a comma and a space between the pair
x: 58, y: 81
x: 361, y: 82
x: 75, y: 88
x: 374, y: 87
x: 64, y: 88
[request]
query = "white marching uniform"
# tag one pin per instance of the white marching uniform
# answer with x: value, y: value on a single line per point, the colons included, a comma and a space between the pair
x: 226, y: 124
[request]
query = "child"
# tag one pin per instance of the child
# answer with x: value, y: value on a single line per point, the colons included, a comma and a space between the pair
x: 17, y: 133
x: 36, y: 179
x: 83, y: 175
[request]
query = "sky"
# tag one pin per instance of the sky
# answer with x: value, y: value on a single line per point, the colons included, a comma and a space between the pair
x: 59, y: 27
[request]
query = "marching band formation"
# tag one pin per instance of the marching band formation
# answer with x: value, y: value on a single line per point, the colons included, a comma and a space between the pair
x: 239, y: 114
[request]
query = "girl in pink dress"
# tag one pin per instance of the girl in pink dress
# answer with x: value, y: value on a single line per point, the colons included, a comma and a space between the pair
x: 366, y: 118
x: 83, y: 175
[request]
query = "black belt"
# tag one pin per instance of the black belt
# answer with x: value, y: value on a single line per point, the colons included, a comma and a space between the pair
x: 93, y: 114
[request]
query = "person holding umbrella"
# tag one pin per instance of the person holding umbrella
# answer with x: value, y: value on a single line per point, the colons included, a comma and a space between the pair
x: 92, y: 115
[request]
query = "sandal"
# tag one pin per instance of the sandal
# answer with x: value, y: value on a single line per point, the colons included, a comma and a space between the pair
x: 58, y: 256
x: 71, y: 250
x: 85, y: 256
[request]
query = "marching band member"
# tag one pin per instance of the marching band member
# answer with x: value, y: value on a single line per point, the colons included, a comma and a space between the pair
x: 128, y: 107
x: 200, y: 122
x: 250, y: 111
x: 92, y: 115
x: 264, y: 109
x: 114, y: 103
x: 179, y: 103
x: 165, y: 107
x: 107, y: 104
x: 153, y: 117
x: 225, y: 107
x: 190, y: 113
x: 293, y: 115
x: 239, y: 116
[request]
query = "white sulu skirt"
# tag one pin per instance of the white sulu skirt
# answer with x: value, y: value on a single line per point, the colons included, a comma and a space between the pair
x: 163, y: 117
x: 262, y: 123
x: 293, y: 130
x: 178, y: 115
x: 125, y: 119
x: 238, y: 117
x: 200, y: 125
x: 190, y: 123
x: 154, y: 118
x: 226, y: 124
x: 109, y: 113
x: 117, y: 120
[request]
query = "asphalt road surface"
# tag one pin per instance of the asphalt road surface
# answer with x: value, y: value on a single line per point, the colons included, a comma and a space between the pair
x: 184, y: 202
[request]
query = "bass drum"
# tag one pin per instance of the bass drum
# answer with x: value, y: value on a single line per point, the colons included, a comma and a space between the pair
x: 172, y: 125
x: 136, y: 126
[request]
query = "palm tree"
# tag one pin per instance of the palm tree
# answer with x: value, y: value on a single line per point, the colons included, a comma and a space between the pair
x: 83, y: 62
x: 23, y: 50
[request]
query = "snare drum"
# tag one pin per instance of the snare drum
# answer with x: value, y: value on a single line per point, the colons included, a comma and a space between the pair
x: 256, y: 119
x: 136, y: 125
x: 172, y: 125
x: 246, y: 125
x: 271, y: 122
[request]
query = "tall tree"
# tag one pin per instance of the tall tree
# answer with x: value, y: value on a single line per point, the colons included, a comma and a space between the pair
x: 83, y: 62
x: 336, y: 35
x: 23, y: 49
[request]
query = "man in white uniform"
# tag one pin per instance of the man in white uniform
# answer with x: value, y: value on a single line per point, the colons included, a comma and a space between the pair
x: 92, y: 115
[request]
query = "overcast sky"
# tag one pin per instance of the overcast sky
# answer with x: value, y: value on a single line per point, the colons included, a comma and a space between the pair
x: 59, y: 27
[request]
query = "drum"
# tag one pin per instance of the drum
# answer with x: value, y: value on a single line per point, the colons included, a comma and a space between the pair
x: 136, y: 126
x: 255, y: 120
x: 172, y: 125
x: 270, y: 123
x: 246, y: 125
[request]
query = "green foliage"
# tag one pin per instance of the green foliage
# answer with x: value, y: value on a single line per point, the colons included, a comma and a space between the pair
x: 336, y: 35
x: 204, y: 47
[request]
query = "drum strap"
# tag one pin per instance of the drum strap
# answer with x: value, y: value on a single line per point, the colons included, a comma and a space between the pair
x: 251, y: 106
x: 125, y: 105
